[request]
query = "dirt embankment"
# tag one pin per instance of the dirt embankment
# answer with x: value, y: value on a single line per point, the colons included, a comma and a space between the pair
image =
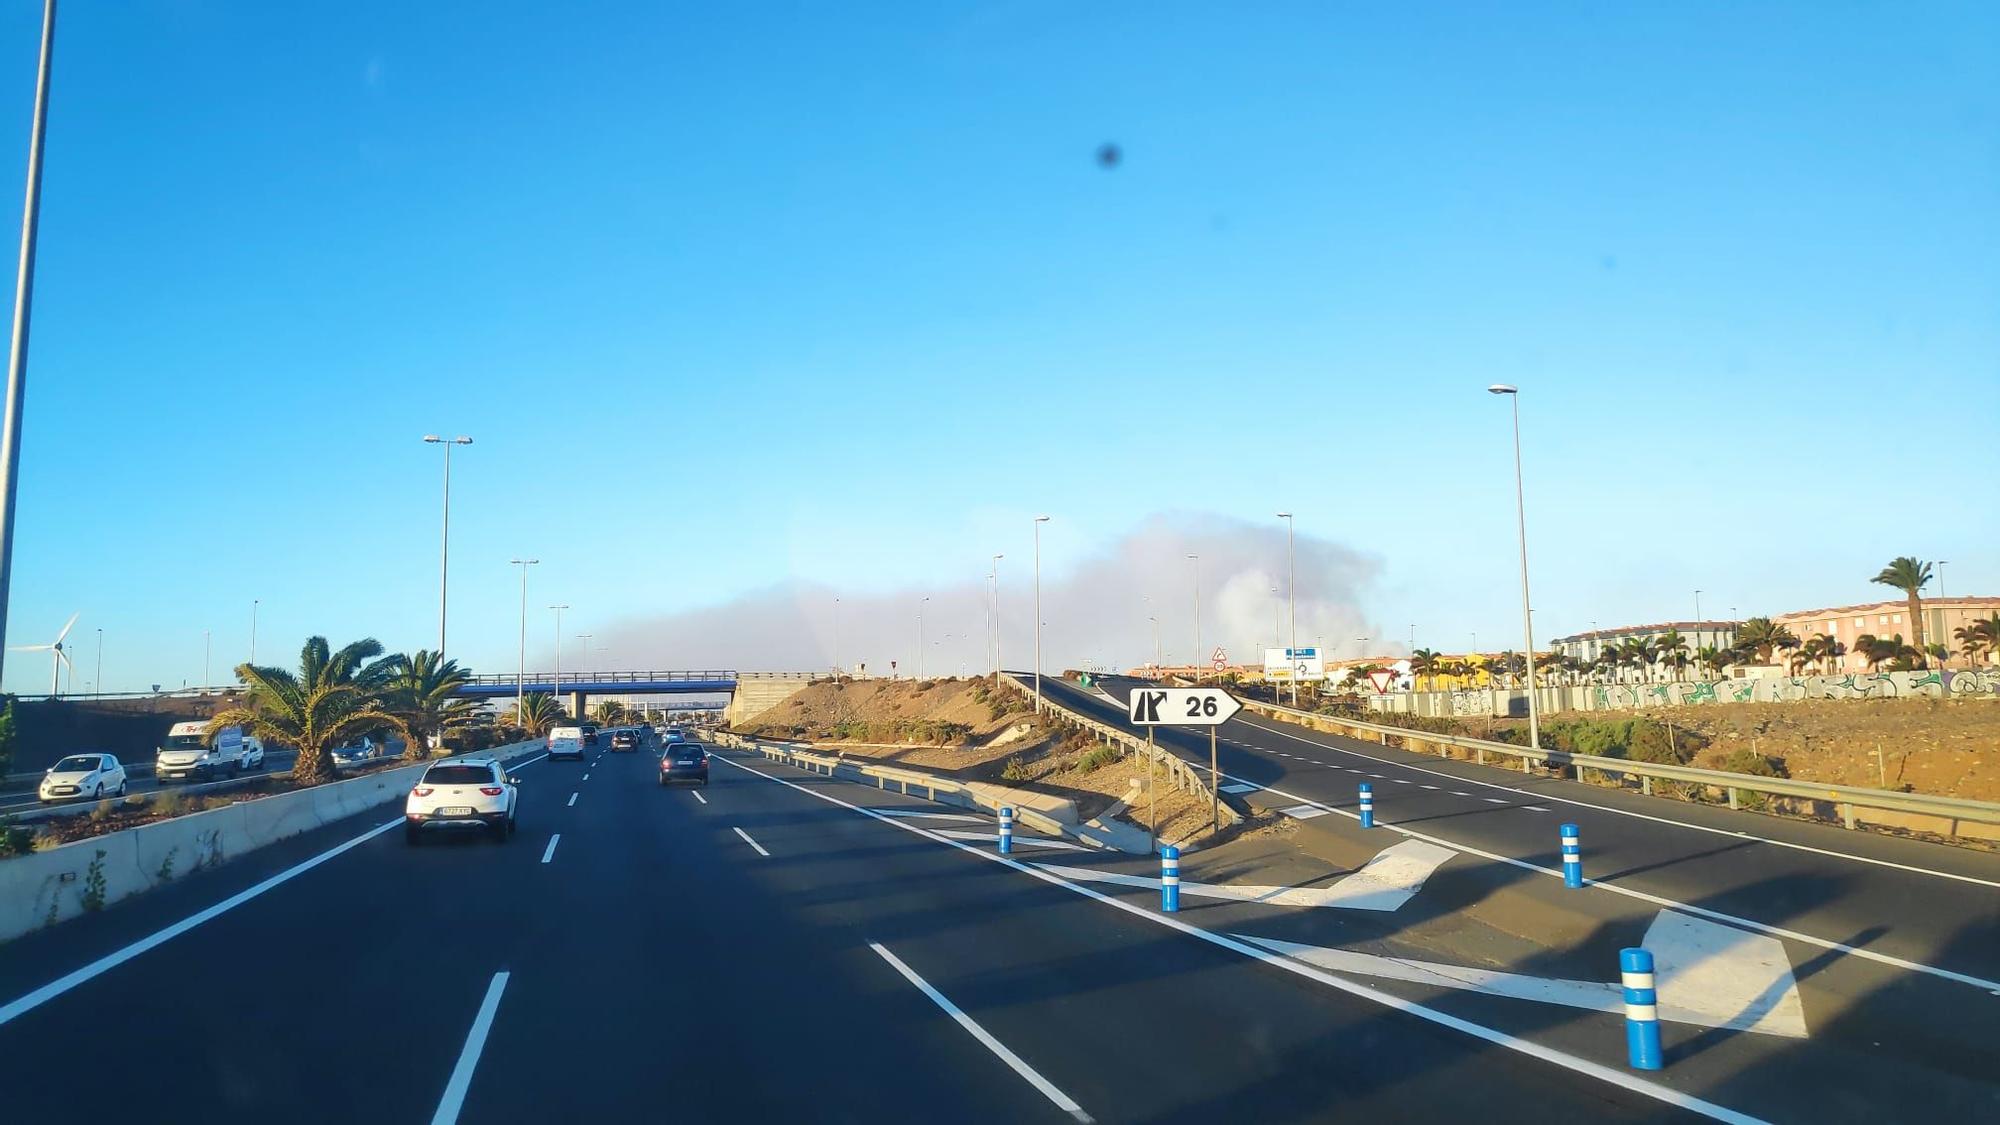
x: 977, y: 730
x: 1943, y: 747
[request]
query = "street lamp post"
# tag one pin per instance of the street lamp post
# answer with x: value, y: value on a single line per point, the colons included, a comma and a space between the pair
x: 253, y: 629
x: 1521, y: 523
x: 444, y: 549
x: 1697, y: 609
x: 836, y: 640
x: 1196, y: 663
x: 1039, y: 521
x: 100, y: 662
x: 24, y: 290
x: 206, y: 680
x: 521, y: 676
x: 1292, y: 602
x: 555, y: 689
x: 993, y: 582
x: 1156, y: 642
x: 917, y: 664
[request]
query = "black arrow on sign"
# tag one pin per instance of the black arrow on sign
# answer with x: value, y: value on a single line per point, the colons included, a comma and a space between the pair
x: 1149, y: 706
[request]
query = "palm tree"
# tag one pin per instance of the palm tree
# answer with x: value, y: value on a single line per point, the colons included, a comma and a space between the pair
x: 1981, y: 636
x: 1425, y: 662
x: 609, y: 713
x: 424, y: 690
x: 1908, y: 575
x: 538, y: 712
x: 1823, y: 651
x: 333, y: 696
x: 1877, y: 651
x: 1760, y: 637
x: 1710, y: 658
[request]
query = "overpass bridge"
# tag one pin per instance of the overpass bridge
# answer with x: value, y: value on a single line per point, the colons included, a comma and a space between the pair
x: 750, y: 693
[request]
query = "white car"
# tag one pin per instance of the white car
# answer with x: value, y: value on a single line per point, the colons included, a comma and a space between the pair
x: 82, y: 776
x: 474, y: 793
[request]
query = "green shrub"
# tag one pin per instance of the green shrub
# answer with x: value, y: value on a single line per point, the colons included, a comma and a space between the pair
x: 1753, y: 763
x: 16, y: 839
x: 1097, y: 759
x: 93, y: 883
x: 169, y: 802
x: 101, y: 812
x: 1635, y: 739
x: 1015, y: 770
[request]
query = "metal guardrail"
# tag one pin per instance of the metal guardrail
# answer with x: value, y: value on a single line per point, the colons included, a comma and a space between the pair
x: 909, y: 782
x: 1846, y: 799
x: 533, y: 678
x: 1184, y: 775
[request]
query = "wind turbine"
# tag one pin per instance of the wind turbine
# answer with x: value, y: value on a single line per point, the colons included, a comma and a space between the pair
x: 60, y: 658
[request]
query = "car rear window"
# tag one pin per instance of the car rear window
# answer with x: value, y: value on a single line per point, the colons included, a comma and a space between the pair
x: 458, y: 775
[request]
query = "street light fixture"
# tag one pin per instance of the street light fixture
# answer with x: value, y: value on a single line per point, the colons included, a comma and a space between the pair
x: 24, y: 290
x: 555, y: 689
x: 444, y: 549
x: 1521, y: 523
x: 1292, y: 606
x: 917, y: 665
x: 1196, y: 663
x: 1039, y: 521
x: 521, y: 682
x: 993, y: 582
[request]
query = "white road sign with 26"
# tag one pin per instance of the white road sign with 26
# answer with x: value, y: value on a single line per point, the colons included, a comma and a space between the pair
x: 1181, y: 707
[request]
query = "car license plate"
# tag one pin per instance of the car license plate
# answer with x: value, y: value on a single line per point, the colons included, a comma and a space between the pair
x: 456, y: 810
x: 689, y: 762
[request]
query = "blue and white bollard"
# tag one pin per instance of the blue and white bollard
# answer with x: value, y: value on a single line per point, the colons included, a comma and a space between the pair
x: 1006, y: 830
x: 1572, y: 857
x: 1170, y: 879
x: 1642, y: 1009
x: 1367, y: 806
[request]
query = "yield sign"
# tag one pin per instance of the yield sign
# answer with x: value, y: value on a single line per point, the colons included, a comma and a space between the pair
x: 1380, y: 678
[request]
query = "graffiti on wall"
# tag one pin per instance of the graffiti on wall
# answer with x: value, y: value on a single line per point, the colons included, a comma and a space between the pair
x: 1774, y: 689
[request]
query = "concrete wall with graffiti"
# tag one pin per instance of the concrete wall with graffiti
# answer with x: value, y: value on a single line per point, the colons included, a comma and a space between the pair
x: 1967, y: 684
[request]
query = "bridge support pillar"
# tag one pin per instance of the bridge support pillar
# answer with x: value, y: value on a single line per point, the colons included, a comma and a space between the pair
x: 577, y: 702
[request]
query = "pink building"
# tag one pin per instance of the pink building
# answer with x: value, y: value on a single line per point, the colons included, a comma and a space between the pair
x: 1942, y: 618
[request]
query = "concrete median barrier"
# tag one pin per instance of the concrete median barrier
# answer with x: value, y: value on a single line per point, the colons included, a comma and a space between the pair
x: 47, y: 887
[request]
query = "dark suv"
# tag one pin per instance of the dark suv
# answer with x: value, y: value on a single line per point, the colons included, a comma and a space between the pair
x: 624, y: 740
x: 683, y: 761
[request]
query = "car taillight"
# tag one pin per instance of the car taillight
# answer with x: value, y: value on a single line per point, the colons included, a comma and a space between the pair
x: 423, y: 791
x: 491, y: 790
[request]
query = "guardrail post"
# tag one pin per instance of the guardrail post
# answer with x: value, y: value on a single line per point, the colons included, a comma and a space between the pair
x: 1732, y: 796
x: 1572, y: 846
x: 1006, y: 830
x: 1479, y: 754
x: 1642, y: 1009
x: 1646, y: 784
x: 1367, y: 806
x: 1170, y: 879
x: 1847, y: 814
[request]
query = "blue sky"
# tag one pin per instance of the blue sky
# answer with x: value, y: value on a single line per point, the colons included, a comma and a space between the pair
x: 844, y: 284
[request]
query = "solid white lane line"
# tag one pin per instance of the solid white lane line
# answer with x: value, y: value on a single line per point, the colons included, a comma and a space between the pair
x: 468, y: 1056
x: 549, y: 852
x: 931, y: 815
x: 698, y: 796
x: 1048, y: 1089
x: 1544, y: 795
x: 1610, y: 1075
x: 1992, y: 986
x: 109, y: 961
x: 1019, y: 839
x: 572, y: 801
x: 753, y: 843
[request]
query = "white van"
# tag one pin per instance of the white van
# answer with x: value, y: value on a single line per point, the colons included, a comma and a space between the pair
x: 566, y: 742
x: 190, y: 754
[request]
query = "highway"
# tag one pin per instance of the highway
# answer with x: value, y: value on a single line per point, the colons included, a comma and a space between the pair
x: 751, y: 951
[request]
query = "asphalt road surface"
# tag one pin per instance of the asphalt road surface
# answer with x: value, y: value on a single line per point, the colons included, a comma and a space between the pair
x: 775, y: 947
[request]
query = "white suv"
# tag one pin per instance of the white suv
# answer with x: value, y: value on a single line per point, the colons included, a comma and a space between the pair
x: 468, y: 793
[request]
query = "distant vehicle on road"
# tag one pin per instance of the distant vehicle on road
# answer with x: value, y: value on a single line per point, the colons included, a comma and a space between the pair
x: 589, y: 733
x: 189, y: 754
x: 624, y: 740
x: 88, y: 776
x: 683, y: 761
x: 471, y: 793
x: 676, y: 736
x: 364, y: 749
x: 566, y: 742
